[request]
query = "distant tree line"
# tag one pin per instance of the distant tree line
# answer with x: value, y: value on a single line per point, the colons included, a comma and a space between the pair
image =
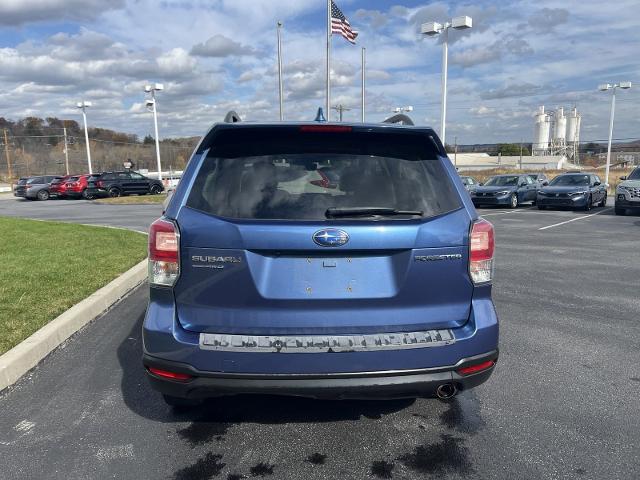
x: 36, y: 145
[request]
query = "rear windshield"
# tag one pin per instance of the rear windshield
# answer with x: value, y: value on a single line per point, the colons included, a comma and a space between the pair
x: 289, y: 174
x: 570, y: 180
x: 73, y: 179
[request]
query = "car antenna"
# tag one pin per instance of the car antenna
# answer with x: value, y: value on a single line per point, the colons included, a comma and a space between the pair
x: 320, y: 116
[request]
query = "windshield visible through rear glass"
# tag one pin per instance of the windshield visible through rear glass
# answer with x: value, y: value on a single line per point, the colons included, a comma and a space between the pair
x: 505, y: 181
x: 570, y: 180
x: 286, y: 173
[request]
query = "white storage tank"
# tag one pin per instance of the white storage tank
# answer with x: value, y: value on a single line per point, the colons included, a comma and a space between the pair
x: 541, y: 130
x: 560, y: 130
x: 573, y: 126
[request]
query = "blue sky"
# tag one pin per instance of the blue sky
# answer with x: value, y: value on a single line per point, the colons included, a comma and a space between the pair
x: 216, y: 55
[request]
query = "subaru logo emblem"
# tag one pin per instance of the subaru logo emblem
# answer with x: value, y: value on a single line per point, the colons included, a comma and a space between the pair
x: 330, y: 237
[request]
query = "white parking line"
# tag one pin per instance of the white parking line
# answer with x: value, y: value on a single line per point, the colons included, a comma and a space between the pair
x: 575, y: 219
x: 505, y: 212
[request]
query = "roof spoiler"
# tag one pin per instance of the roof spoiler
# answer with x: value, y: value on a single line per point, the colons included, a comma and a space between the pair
x: 400, y: 118
x: 232, y: 117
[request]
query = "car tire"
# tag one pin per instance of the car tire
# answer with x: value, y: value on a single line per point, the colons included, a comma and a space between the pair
x: 86, y: 195
x: 589, y: 204
x: 513, y: 201
x: 621, y: 211
x: 603, y: 203
x: 179, y: 403
x: 541, y: 207
x: 43, y: 195
x: 155, y: 190
x: 114, y: 192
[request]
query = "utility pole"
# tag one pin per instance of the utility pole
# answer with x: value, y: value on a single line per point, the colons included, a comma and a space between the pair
x: 455, y: 150
x: 6, y: 152
x: 340, y: 108
x: 66, y: 152
x: 520, y: 154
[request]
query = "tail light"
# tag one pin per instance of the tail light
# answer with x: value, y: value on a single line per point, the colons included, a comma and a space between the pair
x: 482, y: 245
x: 181, y: 377
x: 164, y: 253
x: 476, y: 368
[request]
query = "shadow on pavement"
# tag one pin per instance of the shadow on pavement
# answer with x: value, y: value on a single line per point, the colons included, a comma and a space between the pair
x: 142, y: 400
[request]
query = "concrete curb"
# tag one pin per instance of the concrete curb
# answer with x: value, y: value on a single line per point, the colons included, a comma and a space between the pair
x: 27, y: 354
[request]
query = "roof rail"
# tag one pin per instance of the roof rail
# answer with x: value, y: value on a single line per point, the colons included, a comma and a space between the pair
x: 232, y: 117
x: 400, y: 118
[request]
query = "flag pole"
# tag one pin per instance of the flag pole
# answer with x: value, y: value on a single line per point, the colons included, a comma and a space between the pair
x: 280, y: 89
x: 328, y: 105
x: 364, y: 62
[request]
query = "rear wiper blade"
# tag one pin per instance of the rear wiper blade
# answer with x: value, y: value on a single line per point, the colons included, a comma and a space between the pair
x: 334, y: 212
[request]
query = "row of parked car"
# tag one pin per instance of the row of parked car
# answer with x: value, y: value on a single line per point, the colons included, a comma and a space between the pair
x: 87, y: 186
x: 574, y: 189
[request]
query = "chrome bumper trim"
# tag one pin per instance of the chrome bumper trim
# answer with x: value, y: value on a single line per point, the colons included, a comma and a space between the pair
x: 324, y: 343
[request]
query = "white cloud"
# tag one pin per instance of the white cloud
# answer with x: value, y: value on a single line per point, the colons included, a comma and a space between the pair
x: 221, y: 46
x: 18, y: 12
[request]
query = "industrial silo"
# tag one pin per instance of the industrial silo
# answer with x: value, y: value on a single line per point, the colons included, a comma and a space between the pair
x: 573, y: 126
x: 560, y: 130
x: 541, y: 132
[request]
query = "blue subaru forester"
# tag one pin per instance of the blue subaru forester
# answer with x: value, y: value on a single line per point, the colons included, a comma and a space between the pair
x: 320, y: 260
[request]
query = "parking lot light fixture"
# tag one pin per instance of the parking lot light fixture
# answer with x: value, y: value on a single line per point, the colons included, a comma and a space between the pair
x: 406, y: 109
x: 83, y: 106
x: 432, y: 29
x: 613, y: 87
x: 151, y: 103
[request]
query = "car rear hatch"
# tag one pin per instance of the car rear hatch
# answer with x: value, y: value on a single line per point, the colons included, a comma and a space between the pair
x: 262, y: 251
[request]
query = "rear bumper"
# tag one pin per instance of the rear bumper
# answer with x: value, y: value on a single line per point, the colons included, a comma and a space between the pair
x: 73, y: 194
x: 97, y: 192
x: 352, y: 385
x: 407, y: 372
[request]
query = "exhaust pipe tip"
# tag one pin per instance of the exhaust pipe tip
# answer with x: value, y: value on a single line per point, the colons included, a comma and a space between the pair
x: 446, y: 391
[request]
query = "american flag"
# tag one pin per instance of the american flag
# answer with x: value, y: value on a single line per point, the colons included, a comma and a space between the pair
x: 340, y: 24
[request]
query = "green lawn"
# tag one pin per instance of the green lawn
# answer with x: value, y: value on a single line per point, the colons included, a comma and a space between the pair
x: 47, y: 267
x: 135, y: 199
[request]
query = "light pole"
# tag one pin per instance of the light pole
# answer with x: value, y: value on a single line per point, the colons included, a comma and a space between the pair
x: 603, y: 88
x: 156, y: 87
x: 280, y: 88
x: 434, y: 28
x: 83, y: 106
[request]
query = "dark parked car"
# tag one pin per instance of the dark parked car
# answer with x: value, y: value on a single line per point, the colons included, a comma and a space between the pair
x: 509, y: 190
x: 470, y: 183
x: 114, y: 184
x: 628, y: 193
x: 377, y: 286
x: 540, y: 178
x: 573, y: 190
x: 36, y: 187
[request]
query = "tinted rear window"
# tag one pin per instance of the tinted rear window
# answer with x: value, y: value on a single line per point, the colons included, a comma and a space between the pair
x: 286, y: 173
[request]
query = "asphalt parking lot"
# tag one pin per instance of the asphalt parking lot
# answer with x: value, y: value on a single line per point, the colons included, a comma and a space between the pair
x: 135, y: 217
x: 563, y: 403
